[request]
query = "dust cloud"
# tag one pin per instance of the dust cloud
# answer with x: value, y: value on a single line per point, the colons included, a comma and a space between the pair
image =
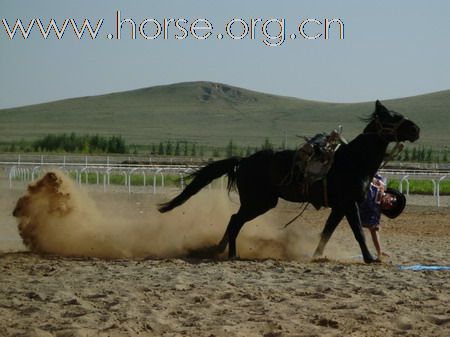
x: 56, y: 216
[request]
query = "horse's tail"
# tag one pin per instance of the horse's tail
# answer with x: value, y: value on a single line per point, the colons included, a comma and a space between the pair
x: 203, y: 177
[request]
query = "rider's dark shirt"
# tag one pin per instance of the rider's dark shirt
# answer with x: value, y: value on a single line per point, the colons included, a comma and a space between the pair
x: 369, y: 209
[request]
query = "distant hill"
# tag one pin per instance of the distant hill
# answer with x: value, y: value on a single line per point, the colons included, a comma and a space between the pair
x: 214, y: 113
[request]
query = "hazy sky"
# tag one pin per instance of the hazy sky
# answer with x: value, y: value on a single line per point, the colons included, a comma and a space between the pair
x: 390, y: 49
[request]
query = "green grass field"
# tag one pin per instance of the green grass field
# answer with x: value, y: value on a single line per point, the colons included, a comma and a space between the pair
x: 136, y: 179
x: 422, y: 186
x: 211, y: 114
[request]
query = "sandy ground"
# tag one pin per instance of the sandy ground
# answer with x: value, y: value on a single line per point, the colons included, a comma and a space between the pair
x: 275, y: 289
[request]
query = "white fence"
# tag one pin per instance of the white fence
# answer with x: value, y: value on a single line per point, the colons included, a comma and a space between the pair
x: 30, y: 167
x: 61, y: 160
x: 102, y: 174
x: 404, y: 176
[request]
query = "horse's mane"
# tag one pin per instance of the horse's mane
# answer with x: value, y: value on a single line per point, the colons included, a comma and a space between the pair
x: 369, y: 118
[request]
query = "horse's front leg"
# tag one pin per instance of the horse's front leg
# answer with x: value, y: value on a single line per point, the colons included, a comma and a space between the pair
x: 333, y: 220
x: 352, y: 214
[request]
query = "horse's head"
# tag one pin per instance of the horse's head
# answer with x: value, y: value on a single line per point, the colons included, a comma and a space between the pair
x: 391, y: 126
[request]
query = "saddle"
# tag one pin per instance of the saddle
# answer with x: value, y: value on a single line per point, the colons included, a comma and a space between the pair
x: 313, y: 159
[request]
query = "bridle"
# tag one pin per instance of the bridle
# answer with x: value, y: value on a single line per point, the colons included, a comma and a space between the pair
x: 388, y: 129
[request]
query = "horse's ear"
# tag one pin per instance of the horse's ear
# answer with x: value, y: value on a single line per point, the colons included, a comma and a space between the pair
x: 379, y: 106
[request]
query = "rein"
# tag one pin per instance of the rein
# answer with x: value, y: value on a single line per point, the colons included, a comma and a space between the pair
x: 297, y: 216
x: 325, y: 201
x: 325, y: 191
x: 394, y: 153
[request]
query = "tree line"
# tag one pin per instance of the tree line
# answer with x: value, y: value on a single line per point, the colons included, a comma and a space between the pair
x: 423, y: 154
x: 73, y: 143
x: 80, y: 144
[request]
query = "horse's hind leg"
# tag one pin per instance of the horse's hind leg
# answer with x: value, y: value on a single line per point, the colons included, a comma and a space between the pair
x: 238, y: 220
x: 333, y: 220
x: 214, y: 250
x: 235, y: 224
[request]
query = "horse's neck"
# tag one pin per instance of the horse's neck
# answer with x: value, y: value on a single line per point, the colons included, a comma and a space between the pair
x: 370, y: 149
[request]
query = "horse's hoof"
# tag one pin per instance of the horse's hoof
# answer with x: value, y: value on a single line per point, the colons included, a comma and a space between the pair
x: 370, y: 259
x: 198, y: 254
x: 203, y: 253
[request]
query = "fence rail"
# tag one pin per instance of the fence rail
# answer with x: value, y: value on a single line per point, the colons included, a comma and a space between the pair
x: 30, y: 167
x: 115, y: 159
x: 404, y: 176
x: 29, y: 171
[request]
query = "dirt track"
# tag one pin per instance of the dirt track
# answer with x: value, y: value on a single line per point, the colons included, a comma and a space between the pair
x: 336, y: 296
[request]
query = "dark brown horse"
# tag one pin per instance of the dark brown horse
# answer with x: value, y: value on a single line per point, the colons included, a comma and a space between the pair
x: 260, y: 180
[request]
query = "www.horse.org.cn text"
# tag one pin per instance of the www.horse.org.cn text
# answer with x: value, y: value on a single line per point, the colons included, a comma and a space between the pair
x: 271, y: 32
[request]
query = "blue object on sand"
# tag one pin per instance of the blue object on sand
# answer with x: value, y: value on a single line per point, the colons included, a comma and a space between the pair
x: 419, y: 267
